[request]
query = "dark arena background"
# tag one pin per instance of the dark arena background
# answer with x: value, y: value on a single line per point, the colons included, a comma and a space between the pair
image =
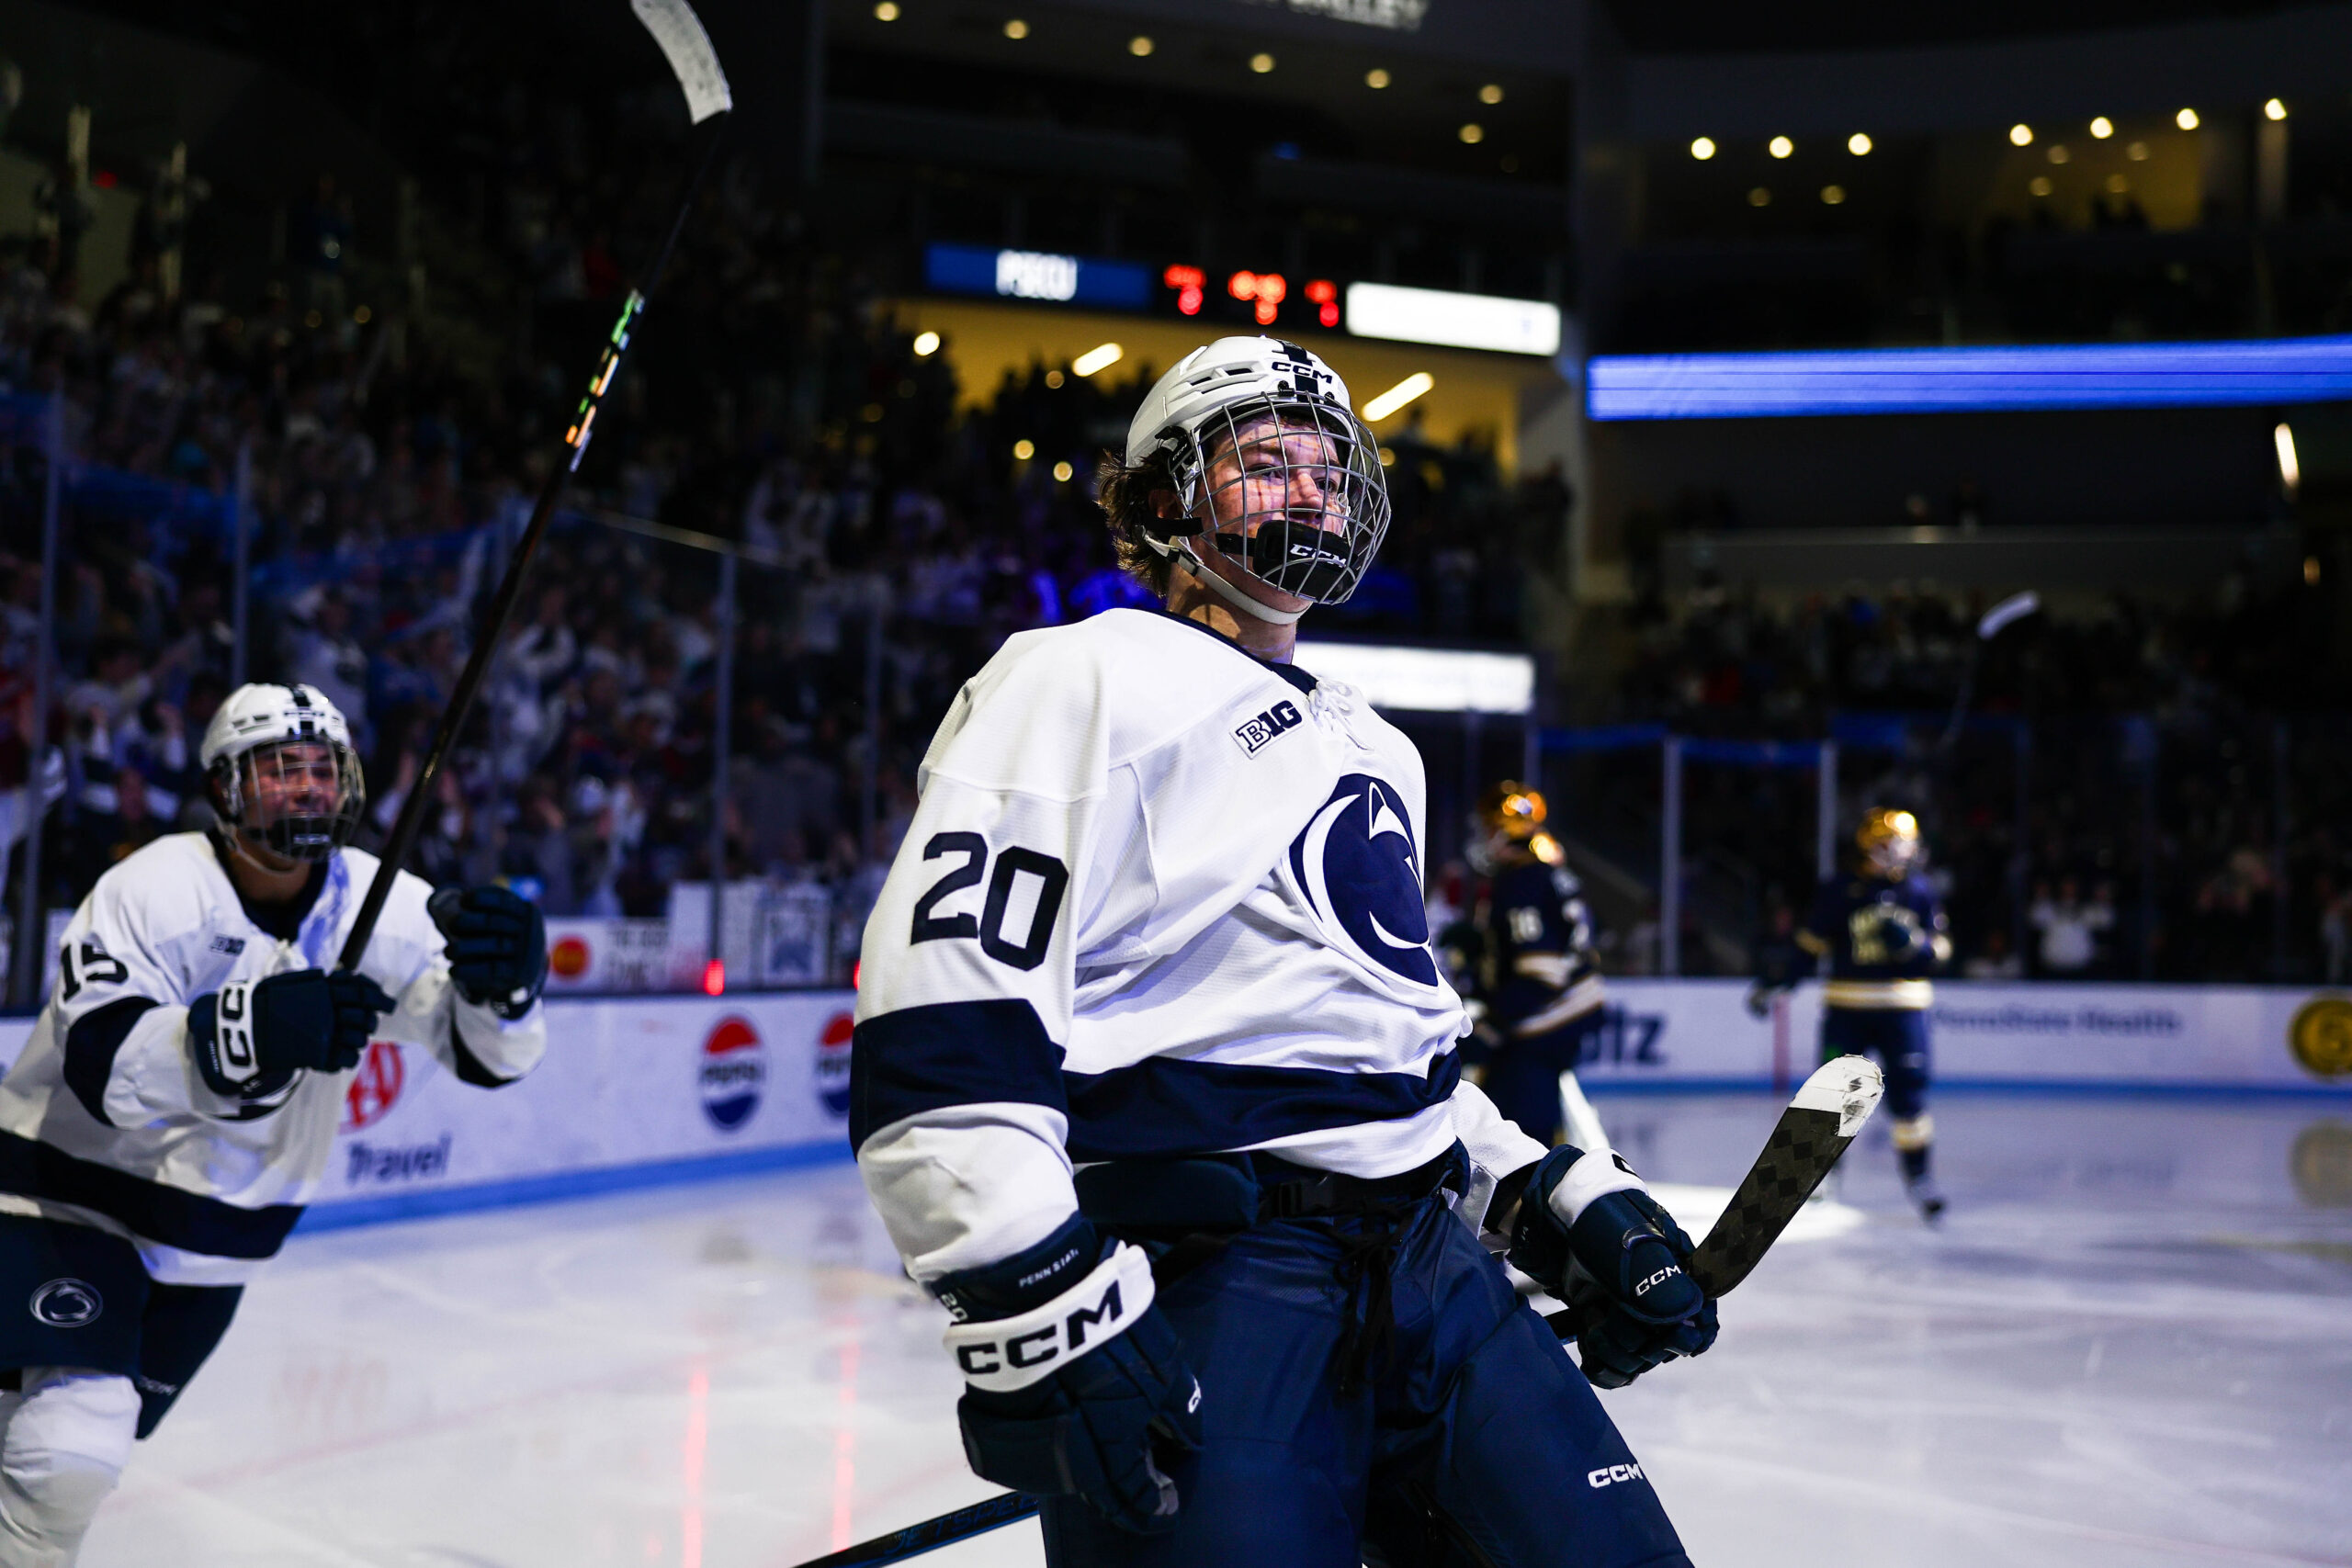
x: 1728, y: 364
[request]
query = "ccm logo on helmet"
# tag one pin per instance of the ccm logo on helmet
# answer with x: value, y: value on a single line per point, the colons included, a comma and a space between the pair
x: 1614, y: 1475
x: 978, y: 1358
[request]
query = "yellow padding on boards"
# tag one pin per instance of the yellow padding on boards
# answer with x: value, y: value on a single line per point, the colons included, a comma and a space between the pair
x: 1916, y: 1133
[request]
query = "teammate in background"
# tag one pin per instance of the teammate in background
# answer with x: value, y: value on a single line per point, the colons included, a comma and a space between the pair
x: 174, y: 1108
x: 1538, y: 979
x: 1160, y: 916
x: 1877, y: 936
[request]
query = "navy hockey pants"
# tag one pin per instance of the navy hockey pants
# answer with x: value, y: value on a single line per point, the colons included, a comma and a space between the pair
x: 1524, y: 1076
x: 1473, y: 1439
x: 1897, y: 1037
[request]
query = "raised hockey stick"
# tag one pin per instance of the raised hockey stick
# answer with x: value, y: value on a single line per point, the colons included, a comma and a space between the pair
x: 1812, y: 1133
x: 686, y: 46
x: 1820, y: 1121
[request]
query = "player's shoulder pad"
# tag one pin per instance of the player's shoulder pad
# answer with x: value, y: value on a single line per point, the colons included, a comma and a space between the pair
x: 166, y: 888
x: 1056, y: 707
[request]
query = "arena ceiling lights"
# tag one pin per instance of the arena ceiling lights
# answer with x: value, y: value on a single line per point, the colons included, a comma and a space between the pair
x: 1453, y: 321
x: 1425, y: 679
x: 1956, y: 381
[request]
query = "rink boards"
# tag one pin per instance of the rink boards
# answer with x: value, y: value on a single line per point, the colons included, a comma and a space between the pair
x: 642, y: 1090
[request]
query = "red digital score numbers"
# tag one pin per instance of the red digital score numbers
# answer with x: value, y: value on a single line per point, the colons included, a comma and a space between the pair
x: 1262, y: 291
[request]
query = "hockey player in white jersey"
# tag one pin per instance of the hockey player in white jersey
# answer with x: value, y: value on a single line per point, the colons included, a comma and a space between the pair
x: 174, y: 1108
x: 1155, y: 1082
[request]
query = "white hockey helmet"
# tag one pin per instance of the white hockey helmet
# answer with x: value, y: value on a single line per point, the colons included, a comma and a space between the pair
x: 268, y: 788
x: 1310, y: 480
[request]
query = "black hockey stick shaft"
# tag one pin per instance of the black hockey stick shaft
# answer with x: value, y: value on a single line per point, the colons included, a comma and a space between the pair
x: 1821, y: 1121
x: 576, y: 438
x: 960, y: 1523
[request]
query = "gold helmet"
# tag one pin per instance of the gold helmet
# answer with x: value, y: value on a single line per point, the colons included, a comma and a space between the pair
x: 1889, y: 840
x: 1510, y: 815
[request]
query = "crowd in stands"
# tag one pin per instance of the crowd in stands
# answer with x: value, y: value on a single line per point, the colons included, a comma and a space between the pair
x: 893, y: 536
x: 2102, y: 742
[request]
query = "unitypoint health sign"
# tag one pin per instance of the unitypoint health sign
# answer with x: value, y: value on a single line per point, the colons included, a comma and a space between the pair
x: 2121, y: 1036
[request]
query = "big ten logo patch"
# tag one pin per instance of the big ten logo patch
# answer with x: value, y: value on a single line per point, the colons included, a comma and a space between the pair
x: 734, y: 1071
x: 568, y: 958
x: 832, y: 1064
x: 2321, y: 1036
x: 375, y: 1089
x: 1256, y: 734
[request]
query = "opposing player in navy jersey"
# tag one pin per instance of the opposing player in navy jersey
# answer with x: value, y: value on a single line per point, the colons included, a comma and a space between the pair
x: 174, y: 1107
x: 1155, y: 1082
x: 1876, y: 937
x: 1538, y: 979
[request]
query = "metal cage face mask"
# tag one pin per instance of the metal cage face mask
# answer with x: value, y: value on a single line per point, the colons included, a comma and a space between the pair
x: 1288, y: 489
x: 277, y: 793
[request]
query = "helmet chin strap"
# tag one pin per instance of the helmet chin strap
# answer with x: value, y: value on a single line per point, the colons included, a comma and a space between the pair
x: 1187, y: 559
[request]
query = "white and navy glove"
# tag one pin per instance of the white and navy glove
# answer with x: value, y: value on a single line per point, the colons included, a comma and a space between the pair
x: 1075, y: 1383
x: 251, y: 1037
x: 497, y: 943
x: 1589, y: 1232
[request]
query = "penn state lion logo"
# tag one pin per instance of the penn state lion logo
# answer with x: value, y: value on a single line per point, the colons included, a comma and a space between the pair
x: 67, y: 1303
x: 1354, y: 862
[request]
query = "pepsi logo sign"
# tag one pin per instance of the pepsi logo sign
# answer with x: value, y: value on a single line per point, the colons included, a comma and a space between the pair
x: 734, y: 1071
x: 375, y: 1089
x: 832, y: 1063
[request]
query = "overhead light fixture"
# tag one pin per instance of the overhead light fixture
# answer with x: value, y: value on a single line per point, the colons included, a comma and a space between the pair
x: 1377, y: 78
x: 1833, y: 196
x: 2102, y: 127
x: 2275, y: 108
x: 1262, y: 62
x: 2020, y: 135
x: 1780, y: 147
x: 1702, y: 148
x: 1472, y: 134
x: 926, y: 344
x: 2040, y: 184
x: 2058, y: 154
x: 2137, y: 151
x: 1859, y: 145
x: 1760, y: 196
x: 1397, y: 396
x: 2186, y: 119
x: 1017, y: 29
x: 1062, y: 472
x: 1490, y: 321
x: 1024, y: 449
x: 2290, y: 472
x: 886, y: 10
x: 1490, y: 93
x: 2117, y: 185
x: 1140, y: 45
x: 1054, y: 379
x: 1095, y: 360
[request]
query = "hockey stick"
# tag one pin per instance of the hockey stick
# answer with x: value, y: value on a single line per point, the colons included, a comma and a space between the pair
x: 1812, y: 1133
x: 687, y: 48
x: 2016, y: 607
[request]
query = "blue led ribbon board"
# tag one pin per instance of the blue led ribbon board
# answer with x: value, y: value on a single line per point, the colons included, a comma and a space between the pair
x: 1958, y: 380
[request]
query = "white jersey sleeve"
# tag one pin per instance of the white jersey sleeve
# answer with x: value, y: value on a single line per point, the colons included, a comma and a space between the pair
x: 967, y: 976
x: 1496, y: 1145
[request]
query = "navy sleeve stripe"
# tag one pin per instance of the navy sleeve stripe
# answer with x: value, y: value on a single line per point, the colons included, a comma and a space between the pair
x: 471, y: 1069
x: 91, y: 1043
x: 150, y: 1209
x: 925, y: 1058
x: 1164, y: 1105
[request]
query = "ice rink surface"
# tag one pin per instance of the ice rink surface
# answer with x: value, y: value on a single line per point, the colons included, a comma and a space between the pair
x: 2130, y: 1344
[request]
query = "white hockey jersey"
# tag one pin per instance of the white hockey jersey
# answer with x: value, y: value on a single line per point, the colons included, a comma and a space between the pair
x: 104, y: 1119
x: 1160, y: 898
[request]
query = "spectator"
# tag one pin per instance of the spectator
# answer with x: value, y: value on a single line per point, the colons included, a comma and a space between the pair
x: 2071, y: 930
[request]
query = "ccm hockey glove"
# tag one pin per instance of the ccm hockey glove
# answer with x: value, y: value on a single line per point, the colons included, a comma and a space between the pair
x: 1591, y: 1234
x: 251, y: 1037
x: 1075, y: 1382
x: 497, y: 942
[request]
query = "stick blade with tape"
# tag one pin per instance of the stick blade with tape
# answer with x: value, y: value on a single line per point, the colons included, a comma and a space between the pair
x: 686, y: 46
x: 1820, y: 1121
